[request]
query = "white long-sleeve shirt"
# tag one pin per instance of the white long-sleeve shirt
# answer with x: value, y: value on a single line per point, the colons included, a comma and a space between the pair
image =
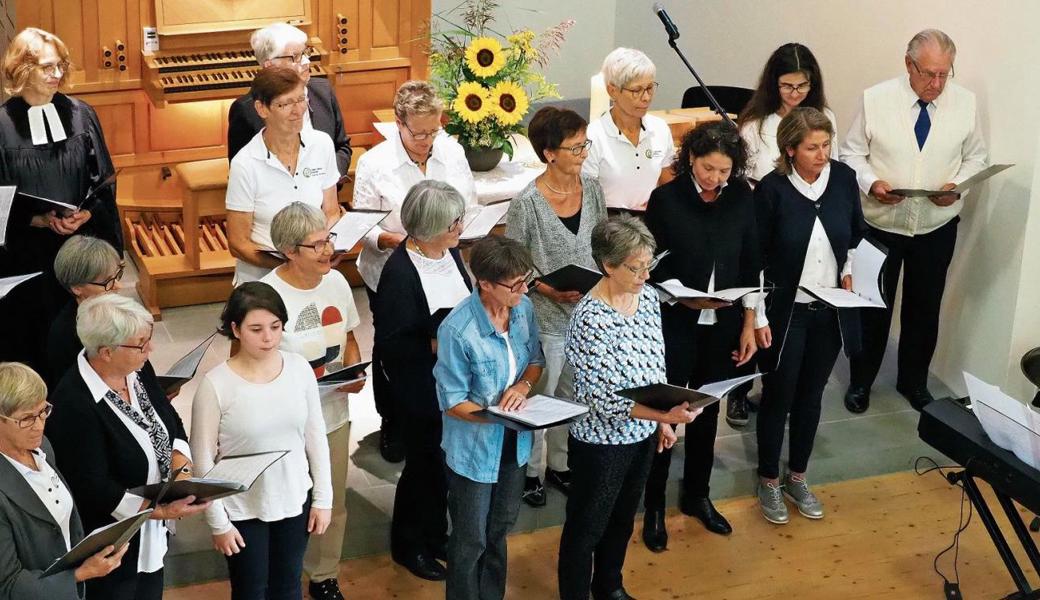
x: 232, y: 416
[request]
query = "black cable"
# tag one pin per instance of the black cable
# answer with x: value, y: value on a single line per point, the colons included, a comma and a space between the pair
x: 962, y: 525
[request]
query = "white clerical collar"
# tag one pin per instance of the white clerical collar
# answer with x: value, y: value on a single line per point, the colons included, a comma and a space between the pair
x: 37, y: 115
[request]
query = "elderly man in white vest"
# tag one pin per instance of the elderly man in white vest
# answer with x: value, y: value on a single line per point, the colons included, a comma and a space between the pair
x: 917, y: 131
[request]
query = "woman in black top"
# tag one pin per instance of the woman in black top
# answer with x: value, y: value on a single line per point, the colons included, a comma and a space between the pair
x: 809, y: 219
x: 705, y: 217
x: 422, y: 280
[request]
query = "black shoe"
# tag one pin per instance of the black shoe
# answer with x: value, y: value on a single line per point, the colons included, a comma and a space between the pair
x: 618, y: 594
x: 736, y: 409
x: 917, y: 397
x: 390, y: 447
x: 703, y: 509
x: 655, y: 535
x: 534, y: 492
x: 422, y: 566
x: 326, y: 589
x: 560, y: 480
x: 857, y: 399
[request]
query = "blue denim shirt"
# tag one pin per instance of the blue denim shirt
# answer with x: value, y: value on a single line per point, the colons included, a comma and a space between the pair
x: 473, y: 364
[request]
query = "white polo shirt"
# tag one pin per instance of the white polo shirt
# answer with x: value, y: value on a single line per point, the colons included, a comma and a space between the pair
x: 260, y: 184
x: 386, y: 173
x: 628, y: 173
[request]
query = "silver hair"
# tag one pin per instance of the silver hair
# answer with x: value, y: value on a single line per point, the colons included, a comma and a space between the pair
x: 271, y: 41
x: 294, y: 223
x: 416, y: 98
x: 109, y: 320
x: 83, y: 259
x: 624, y: 65
x: 20, y: 388
x: 430, y: 207
x: 931, y: 36
x: 617, y: 238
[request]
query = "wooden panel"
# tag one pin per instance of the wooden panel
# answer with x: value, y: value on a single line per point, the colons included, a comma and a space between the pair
x: 188, y: 125
x: 385, y: 21
x: 117, y: 125
x: 194, y: 16
x: 362, y: 92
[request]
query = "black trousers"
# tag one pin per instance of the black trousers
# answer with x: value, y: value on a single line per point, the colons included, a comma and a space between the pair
x: 694, y: 355
x: 795, y: 388
x: 270, y: 565
x: 420, y: 520
x: 127, y: 584
x: 606, y: 481
x: 382, y: 393
x: 924, y: 260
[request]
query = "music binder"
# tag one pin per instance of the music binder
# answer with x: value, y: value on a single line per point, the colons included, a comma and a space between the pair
x: 114, y: 535
x: 672, y: 288
x: 353, y: 226
x: 348, y: 374
x: 9, y: 283
x: 480, y: 220
x: 959, y: 189
x: 231, y: 475
x: 572, y: 278
x: 531, y: 418
x: 867, y: 265
x: 7, y: 193
x: 42, y: 205
x: 665, y: 396
x: 185, y: 368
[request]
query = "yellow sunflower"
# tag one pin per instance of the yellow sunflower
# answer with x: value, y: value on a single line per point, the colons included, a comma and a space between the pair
x: 509, y: 102
x: 472, y: 102
x: 485, y: 57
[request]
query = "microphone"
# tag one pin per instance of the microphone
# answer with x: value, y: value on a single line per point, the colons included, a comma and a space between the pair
x: 669, y: 26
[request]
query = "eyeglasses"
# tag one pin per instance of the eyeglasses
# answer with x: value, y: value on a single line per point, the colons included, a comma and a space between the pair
x: 110, y: 283
x: 930, y: 75
x: 637, y: 271
x: 422, y: 135
x: 290, y: 103
x: 327, y: 244
x: 29, y: 421
x: 638, y: 93
x: 516, y: 287
x: 54, y: 69
x: 142, y: 346
x: 299, y: 57
x: 577, y: 149
x: 801, y: 88
x: 457, y: 222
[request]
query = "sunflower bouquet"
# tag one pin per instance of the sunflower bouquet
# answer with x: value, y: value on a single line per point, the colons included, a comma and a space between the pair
x: 489, y: 80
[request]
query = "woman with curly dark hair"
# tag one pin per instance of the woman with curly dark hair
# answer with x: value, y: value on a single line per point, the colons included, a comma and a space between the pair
x: 705, y: 217
x: 791, y: 78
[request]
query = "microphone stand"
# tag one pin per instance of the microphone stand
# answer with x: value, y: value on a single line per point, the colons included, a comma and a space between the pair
x: 700, y: 82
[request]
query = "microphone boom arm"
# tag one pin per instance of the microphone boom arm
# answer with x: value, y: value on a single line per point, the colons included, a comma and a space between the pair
x: 707, y: 92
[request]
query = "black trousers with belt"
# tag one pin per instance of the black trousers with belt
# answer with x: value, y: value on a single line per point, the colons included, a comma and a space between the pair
x: 694, y: 355
x: 924, y: 261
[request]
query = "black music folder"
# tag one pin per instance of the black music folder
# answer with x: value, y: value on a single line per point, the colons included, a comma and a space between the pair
x: 231, y: 475
x: 184, y: 369
x: 665, y: 396
x: 116, y: 535
x: 40, y: 205
x: 7, y: 284
x: 346, y: 374
x: 572, y: 278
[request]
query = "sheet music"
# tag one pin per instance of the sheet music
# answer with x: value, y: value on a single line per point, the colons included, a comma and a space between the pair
x: 187, y: 366
x: 867, y: 262
x: 719, y: 389
x: 542, y: 410
x: 677, y: 290
x: 1010, y: 424
x: 6, y: 200
x: 244, y: 469
x: 480, y: 220
x: 9, y: 283
x: 353, y: 226
x: 961, y: 188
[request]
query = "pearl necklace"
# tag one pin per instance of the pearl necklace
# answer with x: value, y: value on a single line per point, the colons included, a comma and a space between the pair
x: 545, y: 181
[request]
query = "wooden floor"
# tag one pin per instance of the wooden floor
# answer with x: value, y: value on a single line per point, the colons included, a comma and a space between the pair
x: 877, y: 541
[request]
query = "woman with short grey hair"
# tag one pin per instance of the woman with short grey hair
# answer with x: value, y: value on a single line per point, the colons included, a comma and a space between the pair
x: 86, y: 267
x: 113, y: 430
x: 422, y: 280
x: 631, y: 151
x: 614, y: 342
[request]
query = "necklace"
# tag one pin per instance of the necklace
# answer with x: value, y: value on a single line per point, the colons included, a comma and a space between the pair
x: 545, y: 181
x: 415, y: 245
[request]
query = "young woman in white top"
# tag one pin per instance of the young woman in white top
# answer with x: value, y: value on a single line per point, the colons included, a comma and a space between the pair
x: 285, y: 162
x: 631, y: 151
x: 791, y: 78
x: 261, y: 400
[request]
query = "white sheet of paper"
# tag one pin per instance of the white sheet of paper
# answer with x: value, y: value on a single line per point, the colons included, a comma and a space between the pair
x: 1010, y: 424
x: 387, y: 129
x: 678, y: 290
x: 543, y: 410
x: 189, y: 363
x: 480, y: 220
x: 244, y: 469
x: 981, y: 176
x: 719, y: 389
x: 353, y: 226
x: 839, y: 298
x: 867, y: 262
x: 6, y: 200
x: 9, y: 283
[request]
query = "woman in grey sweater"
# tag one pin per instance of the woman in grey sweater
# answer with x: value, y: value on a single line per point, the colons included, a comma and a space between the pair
x: 553, y: 218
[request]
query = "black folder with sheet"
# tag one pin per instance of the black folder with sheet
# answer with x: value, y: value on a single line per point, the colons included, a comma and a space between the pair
x: 184, y: 369
x: 41, y: 205
x: 231, y: 475
x: 346, y: 374
x: 664, y: 396
x: 572, y: 278
x: 116, y: 535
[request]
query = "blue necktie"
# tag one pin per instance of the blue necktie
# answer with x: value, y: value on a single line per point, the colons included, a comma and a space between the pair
x: 924, y: 123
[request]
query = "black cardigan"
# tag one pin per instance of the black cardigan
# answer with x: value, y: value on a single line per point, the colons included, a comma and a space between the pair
x: 705, y: 235
x: 785, y: 223
x: 244, y: 123
x: 97, y: 454
x: 404, y: 328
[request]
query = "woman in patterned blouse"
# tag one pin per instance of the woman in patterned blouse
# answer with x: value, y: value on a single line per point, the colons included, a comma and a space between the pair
x: 614, y: 342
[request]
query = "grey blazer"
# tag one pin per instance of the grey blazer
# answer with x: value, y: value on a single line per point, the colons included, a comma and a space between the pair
x: 30, y: 540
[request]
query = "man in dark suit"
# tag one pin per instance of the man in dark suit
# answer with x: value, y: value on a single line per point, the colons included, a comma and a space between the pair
x: 282, y: 44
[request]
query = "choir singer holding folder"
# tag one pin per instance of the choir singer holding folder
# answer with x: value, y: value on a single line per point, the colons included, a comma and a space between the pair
x: 38, y: 521
x: 809, y: 219
x: 113, y: 429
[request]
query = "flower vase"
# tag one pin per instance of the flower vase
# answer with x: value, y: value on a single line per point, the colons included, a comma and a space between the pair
x: 483, y: 159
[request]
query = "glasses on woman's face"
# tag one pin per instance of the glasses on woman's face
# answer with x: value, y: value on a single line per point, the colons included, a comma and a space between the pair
x: 110, y: 283
x: 638, y: 93
x: 289, y: 104
x: 421, y: 136
x: 577, y: 149
x: 142, y: 346
x: 638, y: 271
x: 322, y: 246
x: 30, y: 420
x: 801, y: 88
x: 298, y: 57
x: 54, y: 69
x: 457, y: 223
x: 519, y: 285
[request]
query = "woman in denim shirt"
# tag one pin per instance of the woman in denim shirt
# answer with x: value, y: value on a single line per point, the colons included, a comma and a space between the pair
x: 487, y: 354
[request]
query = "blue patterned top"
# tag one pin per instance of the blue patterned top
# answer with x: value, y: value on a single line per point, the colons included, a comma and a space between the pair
x: 610, y: 351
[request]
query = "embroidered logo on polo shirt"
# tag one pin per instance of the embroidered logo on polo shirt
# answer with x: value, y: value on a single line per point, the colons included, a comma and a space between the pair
x: 313, y: 171
x: 651, y: 153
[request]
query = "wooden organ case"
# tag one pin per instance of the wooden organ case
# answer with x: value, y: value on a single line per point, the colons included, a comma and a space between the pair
x: 164, y: 113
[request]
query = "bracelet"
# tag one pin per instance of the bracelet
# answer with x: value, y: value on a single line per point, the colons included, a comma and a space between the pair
x: 529, y: 386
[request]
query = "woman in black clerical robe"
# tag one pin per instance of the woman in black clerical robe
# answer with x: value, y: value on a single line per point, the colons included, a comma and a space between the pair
x: 51, y: 146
